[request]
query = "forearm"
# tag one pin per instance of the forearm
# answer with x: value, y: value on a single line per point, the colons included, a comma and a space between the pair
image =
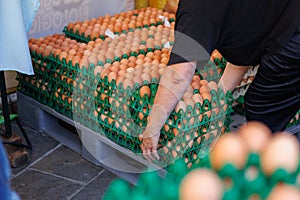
x: 232, y: 76
x: 172, y: 86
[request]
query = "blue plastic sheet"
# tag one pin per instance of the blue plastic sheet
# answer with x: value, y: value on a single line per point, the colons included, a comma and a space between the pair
x: 16, y: 17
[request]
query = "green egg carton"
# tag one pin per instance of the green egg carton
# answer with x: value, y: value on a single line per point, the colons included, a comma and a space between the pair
x: 85, y: 39
x: 52, y: 83
x: 119, y: 112
x: 251, y: 179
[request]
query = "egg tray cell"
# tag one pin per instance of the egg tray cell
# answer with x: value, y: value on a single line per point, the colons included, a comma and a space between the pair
x: 240, y: 185
x: 221, y: 64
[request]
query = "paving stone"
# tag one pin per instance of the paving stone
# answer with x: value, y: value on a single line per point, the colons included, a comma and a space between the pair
x: 67, y: 163
x: 34, y: 185
x: 41, y: 144
x: 97, y: 188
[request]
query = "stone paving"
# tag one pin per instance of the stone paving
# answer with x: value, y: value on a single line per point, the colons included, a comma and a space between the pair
x: 58, y: 173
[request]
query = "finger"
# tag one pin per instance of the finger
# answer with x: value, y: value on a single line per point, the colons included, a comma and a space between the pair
x: 150, y: 155
x: 155, y: 154
x: 146, y: 154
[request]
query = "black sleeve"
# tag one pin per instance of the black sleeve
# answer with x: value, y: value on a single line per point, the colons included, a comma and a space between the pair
x: 197, y: 29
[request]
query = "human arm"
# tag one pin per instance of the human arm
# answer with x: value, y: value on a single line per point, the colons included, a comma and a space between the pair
x: 174, y: 82
x: 232, y: 76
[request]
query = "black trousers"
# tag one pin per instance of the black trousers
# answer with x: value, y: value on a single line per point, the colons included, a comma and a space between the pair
x: 274, y: 95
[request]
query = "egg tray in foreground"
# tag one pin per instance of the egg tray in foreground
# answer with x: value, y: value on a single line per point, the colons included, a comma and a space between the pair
x: 241, y: 186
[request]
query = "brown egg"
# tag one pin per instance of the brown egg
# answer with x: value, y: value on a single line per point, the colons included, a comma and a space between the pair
x: 203, y: 82
x: 98, y: 70
x: 201, y: 184
x: 204, y: 89
x: 112, y: 76
x: 197, y: 98
x: 154, y: 75
x: 145, y: 90
x: 282, y: 151
x: 128, y: 83
x: 187, y: 95
x: 129, y: 75
x: 230, y: 148
x: 137, y: 79
x: 115, y: 68
x: 76, y: 59
x: 131, y: 64
x: 121, y: 73
x: 284, y: 191
x: 195, y: 85
x: 189, y: 102
x: 146, y: 77
x: 120, y: 79
x: 92, y: 60
x: 63, y: 55
x: 206, y: 95
x: 109, y: 56
x: 212, y: 85
x: 180, y: 105
x: 255, y: 134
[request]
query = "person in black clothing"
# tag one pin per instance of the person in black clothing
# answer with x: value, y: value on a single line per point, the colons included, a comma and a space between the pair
x: 246, y: 33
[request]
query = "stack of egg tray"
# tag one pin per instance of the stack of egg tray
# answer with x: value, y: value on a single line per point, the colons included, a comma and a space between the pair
x: 74, y: 32
x: 84, y: 96
x: 121, y: 115
x: 243, y: 183
x: 51, y: 85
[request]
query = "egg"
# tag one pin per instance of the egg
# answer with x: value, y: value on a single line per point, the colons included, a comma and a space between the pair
x: 119, y: 80
x: 128, y: 83
x: 197, y: 98
x: 282, y: 151
x: 201, y: 184
x: 212, y: 85
x: 284, y: 191
x: 255, y: 134
x: 187, y: 95
x: 206, y: 95
x: 146, y: 77
x: 180, y: 105
x: 137, y: 79
x: 204, y: 89
x: 112, y: 76
x: 203, y: 82
x: 189, y: 102
x: 230, y: 148
x: 63, y: 55
x: 129, y: 75
x: 145, y: 90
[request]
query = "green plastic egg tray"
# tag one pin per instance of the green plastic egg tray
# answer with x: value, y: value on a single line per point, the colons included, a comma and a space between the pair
x: 51, y: 85
x: 115, y: 111
x: 241, y: 186
x: 85, y: 39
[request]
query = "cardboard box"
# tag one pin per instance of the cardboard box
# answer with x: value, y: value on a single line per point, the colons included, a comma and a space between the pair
x: 10, y: 80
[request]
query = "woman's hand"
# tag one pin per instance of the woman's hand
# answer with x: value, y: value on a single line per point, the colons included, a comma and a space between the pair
x: 149, y: 147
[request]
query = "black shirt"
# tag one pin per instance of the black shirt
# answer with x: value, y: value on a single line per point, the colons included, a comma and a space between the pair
x: 242, y: 30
